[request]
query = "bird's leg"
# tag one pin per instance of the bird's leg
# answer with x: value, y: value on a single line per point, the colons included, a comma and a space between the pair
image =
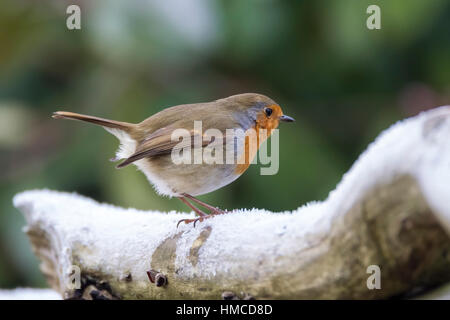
x: 213, y: 210
x: 197, y: 211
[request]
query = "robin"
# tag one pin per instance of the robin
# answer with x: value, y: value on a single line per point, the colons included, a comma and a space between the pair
x: 151, y: 146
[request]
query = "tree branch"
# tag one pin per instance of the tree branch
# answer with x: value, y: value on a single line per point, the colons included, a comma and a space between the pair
x: 391, y: 209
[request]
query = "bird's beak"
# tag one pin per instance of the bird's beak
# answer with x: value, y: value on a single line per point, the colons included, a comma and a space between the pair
x: 285, y: 118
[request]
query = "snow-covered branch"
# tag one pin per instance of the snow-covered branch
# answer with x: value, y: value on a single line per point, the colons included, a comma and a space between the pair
x: 392, y: 210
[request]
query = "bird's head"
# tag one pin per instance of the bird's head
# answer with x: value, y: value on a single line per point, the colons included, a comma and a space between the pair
x: 257, y: 110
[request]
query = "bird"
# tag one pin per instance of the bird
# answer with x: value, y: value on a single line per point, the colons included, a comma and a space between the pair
x: 238, y: 120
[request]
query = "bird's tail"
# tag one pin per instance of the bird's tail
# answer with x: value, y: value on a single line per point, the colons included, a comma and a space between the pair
x: 125, y: 126
x: 124, y: 131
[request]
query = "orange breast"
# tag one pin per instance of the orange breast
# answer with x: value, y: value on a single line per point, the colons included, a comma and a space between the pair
x: 254, y: 137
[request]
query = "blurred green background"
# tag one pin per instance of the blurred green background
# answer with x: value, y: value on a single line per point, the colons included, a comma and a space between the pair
x: 342, y: 82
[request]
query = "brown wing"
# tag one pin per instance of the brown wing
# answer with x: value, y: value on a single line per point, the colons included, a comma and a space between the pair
x: 160, y: 143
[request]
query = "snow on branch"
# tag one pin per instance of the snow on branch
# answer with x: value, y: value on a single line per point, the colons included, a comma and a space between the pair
x: 391, y: 210
x: 29, y: 294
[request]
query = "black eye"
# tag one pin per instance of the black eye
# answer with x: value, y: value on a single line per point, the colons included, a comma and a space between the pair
x: 268, y: 111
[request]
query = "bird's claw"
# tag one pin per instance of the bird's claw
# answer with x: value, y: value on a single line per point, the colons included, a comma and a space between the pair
x: 187, y: 221
x: 214, y: 212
